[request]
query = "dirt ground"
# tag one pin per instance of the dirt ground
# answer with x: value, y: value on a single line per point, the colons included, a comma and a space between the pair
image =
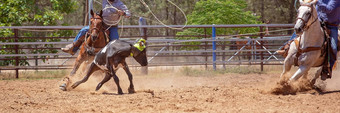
x: 168, y: 93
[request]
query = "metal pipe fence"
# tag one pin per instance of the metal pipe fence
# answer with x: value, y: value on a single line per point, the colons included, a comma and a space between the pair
x: 163, y: 49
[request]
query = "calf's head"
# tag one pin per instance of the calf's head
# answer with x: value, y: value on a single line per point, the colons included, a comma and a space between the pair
x: 138, y: 51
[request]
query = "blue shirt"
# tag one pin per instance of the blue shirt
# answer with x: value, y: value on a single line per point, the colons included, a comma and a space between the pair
x: 329, y: 11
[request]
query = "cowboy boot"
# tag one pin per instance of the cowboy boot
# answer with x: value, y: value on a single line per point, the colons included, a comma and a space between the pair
x: 326, y: 72
x: 284, y: 50
x: 72, y: 48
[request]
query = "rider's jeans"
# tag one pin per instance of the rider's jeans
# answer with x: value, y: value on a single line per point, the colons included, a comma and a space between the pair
x: 114, y: 33
x: 81, y: 33
x: 334, y: 43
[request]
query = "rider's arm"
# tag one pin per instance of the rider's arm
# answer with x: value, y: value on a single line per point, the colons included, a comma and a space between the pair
x: 123, y: 7
x: 330, y: 6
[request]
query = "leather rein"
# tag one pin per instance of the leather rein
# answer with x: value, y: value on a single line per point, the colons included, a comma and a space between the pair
x: 89, y: 33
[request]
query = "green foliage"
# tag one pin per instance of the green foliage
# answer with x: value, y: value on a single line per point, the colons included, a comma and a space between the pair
x: 273, y: 11
x: 35, y: 13
x: 219, y: 12
x: 209, y: 12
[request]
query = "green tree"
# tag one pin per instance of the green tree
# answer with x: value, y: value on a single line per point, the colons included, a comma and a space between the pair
x: 209, y: 12
x: 32, y: 12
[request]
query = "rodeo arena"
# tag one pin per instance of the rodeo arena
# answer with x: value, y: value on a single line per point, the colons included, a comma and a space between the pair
x: 155, y: 68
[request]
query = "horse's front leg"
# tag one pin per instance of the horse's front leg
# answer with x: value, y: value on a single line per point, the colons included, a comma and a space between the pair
x: 301, y: 71
x: 127, y: 70
x: 80, y: 59
x: 287, y: 65
x: 317, y: 75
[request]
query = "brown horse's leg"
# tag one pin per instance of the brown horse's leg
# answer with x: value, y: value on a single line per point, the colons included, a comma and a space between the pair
x: 106, y: 78
x: 80, y: 59
x: 93, y: 68
x: 131, y: 87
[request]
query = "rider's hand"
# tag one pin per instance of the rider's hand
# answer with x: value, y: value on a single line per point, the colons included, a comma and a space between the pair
x: 121, y: 13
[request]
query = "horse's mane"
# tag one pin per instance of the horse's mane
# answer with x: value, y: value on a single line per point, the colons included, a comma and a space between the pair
x: 307, y: 1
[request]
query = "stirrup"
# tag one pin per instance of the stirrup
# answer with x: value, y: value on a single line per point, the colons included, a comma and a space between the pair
x: 283, y: 53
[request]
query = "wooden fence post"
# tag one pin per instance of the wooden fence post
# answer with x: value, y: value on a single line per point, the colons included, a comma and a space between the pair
x: 205, y: 48
x: 261, y: 35
x: 16, y: 39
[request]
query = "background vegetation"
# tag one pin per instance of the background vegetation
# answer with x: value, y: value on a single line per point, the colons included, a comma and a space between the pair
x: 199, y: 12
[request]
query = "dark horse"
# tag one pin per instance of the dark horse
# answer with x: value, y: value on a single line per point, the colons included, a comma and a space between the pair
x: 94, y: 42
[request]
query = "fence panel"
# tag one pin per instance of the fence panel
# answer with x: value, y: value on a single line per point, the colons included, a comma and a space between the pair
x: 164, y: 49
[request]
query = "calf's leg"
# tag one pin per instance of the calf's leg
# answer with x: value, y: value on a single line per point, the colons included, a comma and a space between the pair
x: 113, y: 74
x: 106, y: 78
x: 93, y: 68
x: 131, y: 87
x: 117, y: 83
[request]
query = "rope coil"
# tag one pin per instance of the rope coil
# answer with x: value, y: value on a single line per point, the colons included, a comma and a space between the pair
x: 185, y: 16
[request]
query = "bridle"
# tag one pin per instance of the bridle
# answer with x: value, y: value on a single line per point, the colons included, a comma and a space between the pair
x: 94, y: 28
x: 90, y: 49
x: 306, y: 27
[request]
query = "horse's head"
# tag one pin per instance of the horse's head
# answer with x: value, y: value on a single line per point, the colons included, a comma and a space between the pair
x: 96, y: 25
x: 305, y: 12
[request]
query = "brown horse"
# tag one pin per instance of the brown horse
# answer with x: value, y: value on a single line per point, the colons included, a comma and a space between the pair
x: 94, y: 42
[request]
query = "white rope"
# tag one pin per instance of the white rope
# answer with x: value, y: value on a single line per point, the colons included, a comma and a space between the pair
x: 185, y: 16
x: 114, y: 22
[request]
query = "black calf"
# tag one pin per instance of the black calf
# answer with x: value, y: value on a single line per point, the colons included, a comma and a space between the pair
x: 113, y: 55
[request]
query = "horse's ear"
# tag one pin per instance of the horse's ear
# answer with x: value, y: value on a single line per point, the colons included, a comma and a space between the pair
x: 92, y: 13
x: 100, y: 14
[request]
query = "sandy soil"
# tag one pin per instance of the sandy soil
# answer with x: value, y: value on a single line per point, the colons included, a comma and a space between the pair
x: 170, y: 93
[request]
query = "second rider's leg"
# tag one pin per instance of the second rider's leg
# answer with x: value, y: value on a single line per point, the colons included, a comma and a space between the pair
x: 114, y: 33
x: 284, y: 50
x: 78, y: 40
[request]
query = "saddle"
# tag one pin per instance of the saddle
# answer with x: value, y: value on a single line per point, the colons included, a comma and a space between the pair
x: 324, y: 50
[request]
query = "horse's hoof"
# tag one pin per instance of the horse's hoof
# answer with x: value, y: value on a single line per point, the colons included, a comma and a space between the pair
x: 132, y: 91
x: 120, y: 92
x: 63, y: 87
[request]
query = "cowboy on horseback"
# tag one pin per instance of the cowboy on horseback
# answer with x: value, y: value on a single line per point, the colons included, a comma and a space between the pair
x: 112, y: 11
x: 328, y: 12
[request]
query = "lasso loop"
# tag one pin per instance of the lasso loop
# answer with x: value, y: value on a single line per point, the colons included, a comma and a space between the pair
x: 295, y: 5
x: 186, y: 20
x: 114, y: 22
